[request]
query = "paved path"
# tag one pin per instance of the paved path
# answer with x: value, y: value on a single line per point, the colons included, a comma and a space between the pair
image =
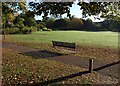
x: 102, y: 67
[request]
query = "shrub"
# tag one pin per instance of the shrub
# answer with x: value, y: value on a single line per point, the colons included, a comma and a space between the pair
x: 41, y: 25
x: 34, y: 29
x: 6, y: 30
x: 45, y: 29
x: 19, y: 22
x: 11, y: 30
x: 49, y: 29
x: 26, y: 30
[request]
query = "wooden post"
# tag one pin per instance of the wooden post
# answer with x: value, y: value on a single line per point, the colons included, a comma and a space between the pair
x: 4, y: 32
x: 53, y: 42
x: 91, y: 65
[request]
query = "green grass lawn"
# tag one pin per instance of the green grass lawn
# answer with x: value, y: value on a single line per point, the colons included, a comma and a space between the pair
x: 102, y: 39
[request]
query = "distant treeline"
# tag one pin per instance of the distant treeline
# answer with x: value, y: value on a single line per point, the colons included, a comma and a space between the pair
x: 81, y: 24
x: 26, y: 23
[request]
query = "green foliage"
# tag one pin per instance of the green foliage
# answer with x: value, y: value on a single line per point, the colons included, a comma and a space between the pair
x: 52, y: 8
x: 45, y: 29
x: 34, y: 29
x: 7, y: 15
x: 88, y: 25
x: 60, y: 23
x: 30, y: 21
x: 12, y: 30
x: 26, y: 18
x: 22, y: 6
x: 26, y: 30
x: 19, y: 22
x: 9, y: 9
x: 111, y: 25
x: 68, y: 24
x: 74, y: 24
x: 49, y: 22
x: 41, y: 25
x: 106, y: 9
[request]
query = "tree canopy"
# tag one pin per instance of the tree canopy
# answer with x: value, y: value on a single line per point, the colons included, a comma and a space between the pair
x: 8, y: 11
x: 11, y: 16
x: 105, y: 9
x: 109, y: 10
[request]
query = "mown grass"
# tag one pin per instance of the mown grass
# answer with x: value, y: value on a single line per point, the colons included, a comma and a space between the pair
x: 98, y: 39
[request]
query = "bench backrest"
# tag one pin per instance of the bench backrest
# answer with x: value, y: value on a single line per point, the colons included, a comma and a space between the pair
x: 63, y: 44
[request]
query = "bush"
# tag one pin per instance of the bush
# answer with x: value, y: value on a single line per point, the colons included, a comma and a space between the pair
x: 41, y: 25
x: 19, y: 22
x: 34, y: 29
x: 26, y: 30
x: 11, y: 30
x: 45, y: 29
x: 6, y: 31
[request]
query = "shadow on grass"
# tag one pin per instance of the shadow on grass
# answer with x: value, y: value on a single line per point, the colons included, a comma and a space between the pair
x: 59, y: 79
x: 73, y: 75
x: 42, y: 54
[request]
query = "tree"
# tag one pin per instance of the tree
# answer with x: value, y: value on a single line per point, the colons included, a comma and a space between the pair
x: 9, y: 21
x: 49, y: 22
x: 91, y: 8
x: 19, y: 22
x: 109, y: 10
x: 29, y: 19
x: 111, y: 25
x: 75, y: 24
x: 7, y: 15
x: 8, y: 11
x: 88, y: 25
x: 60, y: 23
x: 53, y: 8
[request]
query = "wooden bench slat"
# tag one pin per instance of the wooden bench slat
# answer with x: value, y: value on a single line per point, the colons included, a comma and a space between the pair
x: 63, y: 44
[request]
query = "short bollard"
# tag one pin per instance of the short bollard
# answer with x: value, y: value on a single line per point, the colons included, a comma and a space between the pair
x: 91, y: 65
x: 4, y: 32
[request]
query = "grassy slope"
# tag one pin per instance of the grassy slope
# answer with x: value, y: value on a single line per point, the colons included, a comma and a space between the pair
x: 20, y: 69
x: 102, y: 39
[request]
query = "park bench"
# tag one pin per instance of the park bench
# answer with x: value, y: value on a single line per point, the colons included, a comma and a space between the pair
x: 64, y: 46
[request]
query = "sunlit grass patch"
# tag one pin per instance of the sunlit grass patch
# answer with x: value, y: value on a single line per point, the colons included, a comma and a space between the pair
x: 98, y: 39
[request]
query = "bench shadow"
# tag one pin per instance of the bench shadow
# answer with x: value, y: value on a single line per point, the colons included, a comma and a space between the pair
x: 42, y: 54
